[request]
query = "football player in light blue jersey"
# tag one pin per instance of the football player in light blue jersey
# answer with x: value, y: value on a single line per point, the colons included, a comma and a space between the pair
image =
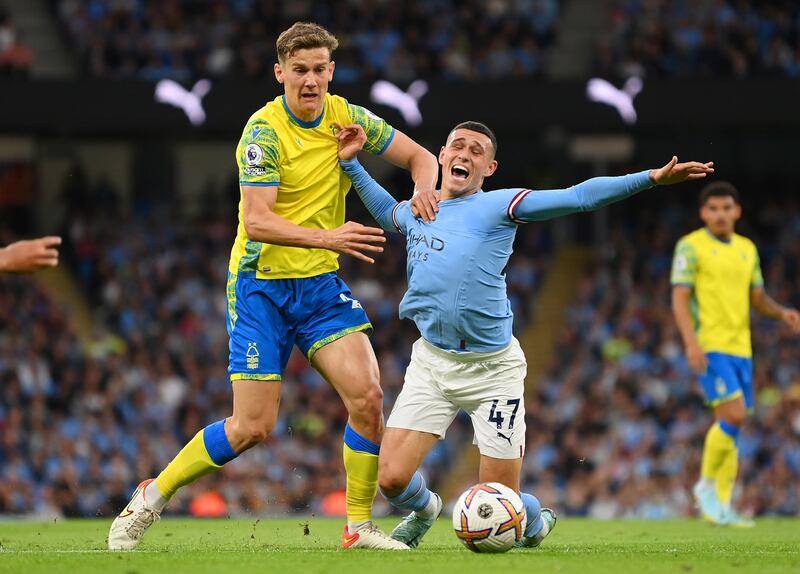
x: 467, y: 357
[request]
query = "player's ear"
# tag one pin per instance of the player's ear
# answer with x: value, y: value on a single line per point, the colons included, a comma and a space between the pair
x: 737, y: 211
x: 441, y: 156
x: 331, y: 67
x: 491, y: 168
x: 278, y: 72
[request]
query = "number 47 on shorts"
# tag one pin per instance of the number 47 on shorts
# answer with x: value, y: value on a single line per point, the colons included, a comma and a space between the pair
x: 496, y: 416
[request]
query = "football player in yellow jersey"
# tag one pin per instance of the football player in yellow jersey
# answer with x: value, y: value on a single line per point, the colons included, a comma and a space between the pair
x: 283, y: 289
x: 716, y: 279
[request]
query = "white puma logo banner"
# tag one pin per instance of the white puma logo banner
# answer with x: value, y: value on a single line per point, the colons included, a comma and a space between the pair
x: 599, y: 90
x: 191, y: 102
x: 407, y: 103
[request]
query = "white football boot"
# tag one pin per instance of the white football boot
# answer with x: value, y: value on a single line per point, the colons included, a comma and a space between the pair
x: 129, y: 527
x: 370, y: 536
x: 732, y: 518
x: 413, y: 527
x: 549, y: 520
x: 707, y: 500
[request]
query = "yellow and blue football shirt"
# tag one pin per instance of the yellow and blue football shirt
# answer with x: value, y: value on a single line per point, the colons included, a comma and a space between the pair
x: 301, y: 159
x: 721, y: 275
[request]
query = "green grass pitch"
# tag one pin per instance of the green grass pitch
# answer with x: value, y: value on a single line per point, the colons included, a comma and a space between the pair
x: 282, y: 546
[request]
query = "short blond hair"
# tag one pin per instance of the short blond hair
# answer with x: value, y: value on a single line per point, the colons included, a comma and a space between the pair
x: 302, y: 36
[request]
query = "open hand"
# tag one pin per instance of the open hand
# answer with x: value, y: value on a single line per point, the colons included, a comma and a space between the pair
x: 425, y: 204
x: 696, y: 358
x: 354, y: 239
x: 675, y: 172
x: 351, y: 140
x: 30, y: 255
x: 791, y: 317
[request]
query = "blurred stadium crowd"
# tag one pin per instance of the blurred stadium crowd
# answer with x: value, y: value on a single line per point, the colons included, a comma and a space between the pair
x: 189, y: 39
x: 702, y: 38
x: 186, y: 39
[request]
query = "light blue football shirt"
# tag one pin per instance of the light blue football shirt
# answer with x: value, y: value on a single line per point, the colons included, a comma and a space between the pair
x: 456, y: 286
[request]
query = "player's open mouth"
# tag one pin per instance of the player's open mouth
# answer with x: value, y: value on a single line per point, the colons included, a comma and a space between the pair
x: 308, y: 97
x: 459, y: 172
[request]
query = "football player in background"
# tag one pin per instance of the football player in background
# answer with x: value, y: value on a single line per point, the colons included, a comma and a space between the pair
x: 716, y: 279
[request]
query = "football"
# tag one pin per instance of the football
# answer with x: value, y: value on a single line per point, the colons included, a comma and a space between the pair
x: 489, y: 517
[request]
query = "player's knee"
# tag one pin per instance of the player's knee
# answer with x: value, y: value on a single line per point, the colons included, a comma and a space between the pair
x: 732, y: 412
x: 252, y: 432
x: 368, y: 405
x: 392, y: 479
x: 256, y: 433
x: 736, y: 417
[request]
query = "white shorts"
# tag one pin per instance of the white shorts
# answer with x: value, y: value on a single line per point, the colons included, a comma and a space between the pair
x: 488, y: 386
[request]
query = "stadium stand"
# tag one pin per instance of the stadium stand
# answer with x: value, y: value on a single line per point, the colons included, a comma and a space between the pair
x: 703, y: 39
x: 186, y: 40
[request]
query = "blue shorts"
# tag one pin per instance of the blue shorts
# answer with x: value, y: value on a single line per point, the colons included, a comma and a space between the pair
x: 728, y: 377
x: 267, y: 317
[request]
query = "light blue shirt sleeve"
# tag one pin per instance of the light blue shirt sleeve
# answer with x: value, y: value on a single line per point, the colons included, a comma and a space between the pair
x: 528, y: 205
x: 390, y: 215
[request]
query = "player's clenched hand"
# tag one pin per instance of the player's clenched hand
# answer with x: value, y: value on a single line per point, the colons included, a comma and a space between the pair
x: 425, y: 204
x: 354, y: 239
x: 352, y: 138
x: 675, y: 172
x: 697, y: 359
x: 30, y: 255
x: 792, y: 318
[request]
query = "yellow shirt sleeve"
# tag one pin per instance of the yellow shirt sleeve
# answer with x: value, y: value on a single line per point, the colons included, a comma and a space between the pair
x: 684, y: 264
x: 379, y: 132
x: 258, y: 154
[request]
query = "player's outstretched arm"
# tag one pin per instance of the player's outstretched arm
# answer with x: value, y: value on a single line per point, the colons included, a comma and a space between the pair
x: 768, y: 307
x: 675, y: 172
x: 30, y: 255
x: 262, y: 224
x: 601, y: 191
x: 375, y: 198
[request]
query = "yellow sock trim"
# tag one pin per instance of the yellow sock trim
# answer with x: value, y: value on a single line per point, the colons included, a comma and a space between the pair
x: 726, y: 476
x: 192, y: 462
x: 717, y: 446
x: 362, y: 483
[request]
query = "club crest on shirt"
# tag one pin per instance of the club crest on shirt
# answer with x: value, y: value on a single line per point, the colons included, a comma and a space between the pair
x: 252, y: 355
